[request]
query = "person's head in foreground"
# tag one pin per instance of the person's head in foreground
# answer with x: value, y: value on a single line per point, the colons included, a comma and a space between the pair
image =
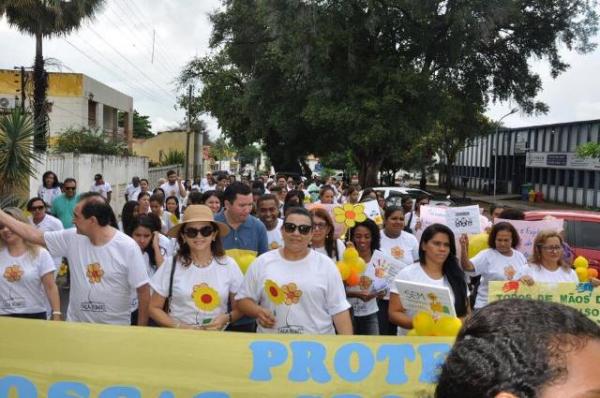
x: 523, y: 349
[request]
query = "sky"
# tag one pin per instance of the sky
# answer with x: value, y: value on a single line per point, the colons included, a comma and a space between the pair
x: 116, y: 49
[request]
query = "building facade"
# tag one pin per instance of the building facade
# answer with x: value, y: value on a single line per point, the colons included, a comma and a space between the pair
x: 74, y: 101
x: 543, y: 156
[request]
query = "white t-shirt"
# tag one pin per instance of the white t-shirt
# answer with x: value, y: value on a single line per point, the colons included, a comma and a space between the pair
x: 48, y: 224
x: 340, y: 250
x: 102, y: 277
x: 172, y: 190
x: 199, y: 294
x: 274, y: 238
x: 133, y: 192
x: 102, y: 189
x: 49, y: 194
x: 359, y: 307
x: 544, y: 275
x: 493, y: 266
x: 404, y: 248
x: 167, y: 221
x: 21, y: 288
x: 415, y: 273
x: 310, y: 290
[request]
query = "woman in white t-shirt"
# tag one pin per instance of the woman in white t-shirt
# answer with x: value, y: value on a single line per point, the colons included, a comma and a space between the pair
x: 437, y: 266
x: 144, y: 203
x: 363, y: 297
x: 27, y: 276
x: 200, y: 281
x: 156, y: 207
x: 547, y: 263
x: 50, y: 188
x: 501, y: 262
x: 172, y: 206
x: 401, y: 246
x: 295, y: 290
x: 323, y: 239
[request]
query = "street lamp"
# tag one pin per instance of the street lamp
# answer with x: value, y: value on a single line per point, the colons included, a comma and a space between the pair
x: 495, y: 150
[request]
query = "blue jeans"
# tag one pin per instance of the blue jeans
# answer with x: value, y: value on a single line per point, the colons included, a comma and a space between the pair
x: 366, y: 325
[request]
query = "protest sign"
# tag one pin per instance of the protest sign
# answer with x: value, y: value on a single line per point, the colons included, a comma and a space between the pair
x: 528, y: 230
x: 373, y: 212
x: 62, y: 359
x: 463, y: 220
x: 581, y: 296
x: 418, y: 297
x: 386, y: 269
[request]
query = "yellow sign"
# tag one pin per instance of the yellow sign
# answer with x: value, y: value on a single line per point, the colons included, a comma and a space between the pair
x: 56, y: 359
x: 581, y: 296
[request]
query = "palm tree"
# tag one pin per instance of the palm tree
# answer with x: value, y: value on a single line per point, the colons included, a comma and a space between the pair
x: 45, y: 18
x: 16, y: 154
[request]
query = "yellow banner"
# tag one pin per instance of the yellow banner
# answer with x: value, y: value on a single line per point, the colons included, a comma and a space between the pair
x: 59, y: 360
x: 581, y: 296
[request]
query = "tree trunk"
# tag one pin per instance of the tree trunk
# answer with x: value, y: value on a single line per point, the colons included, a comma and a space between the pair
x: 449, y: 174
x: 423, y: 181
x: 368, y: 168
x: 40, y: 84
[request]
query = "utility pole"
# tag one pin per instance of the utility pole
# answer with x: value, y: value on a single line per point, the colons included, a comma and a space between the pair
x: 23, y: 89
x: 153, y: 42
x: 188, y: 134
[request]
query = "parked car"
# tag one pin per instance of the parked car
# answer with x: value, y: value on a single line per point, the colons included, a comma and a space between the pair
x: 582, y: 231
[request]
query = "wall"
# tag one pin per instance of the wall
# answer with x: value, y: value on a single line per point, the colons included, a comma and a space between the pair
x: 117, y: 171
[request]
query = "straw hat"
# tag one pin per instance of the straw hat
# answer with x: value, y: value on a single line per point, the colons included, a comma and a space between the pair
x: 198, y: 213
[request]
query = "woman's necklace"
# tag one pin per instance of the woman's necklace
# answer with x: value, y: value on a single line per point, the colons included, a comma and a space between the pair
x: 203, y: 264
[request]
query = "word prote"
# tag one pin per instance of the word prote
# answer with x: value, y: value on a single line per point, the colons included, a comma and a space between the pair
x: 308, y: 361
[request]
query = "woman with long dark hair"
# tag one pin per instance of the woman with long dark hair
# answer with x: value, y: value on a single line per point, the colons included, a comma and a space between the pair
x: 50, y: 188
x: 200, y: 282
x: 437, y: 266
x: 128, y: 216
x: 323, y: 239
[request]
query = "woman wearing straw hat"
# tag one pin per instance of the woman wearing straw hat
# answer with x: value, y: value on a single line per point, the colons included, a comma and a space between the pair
x: 26, y: 276
x: 193, y: 289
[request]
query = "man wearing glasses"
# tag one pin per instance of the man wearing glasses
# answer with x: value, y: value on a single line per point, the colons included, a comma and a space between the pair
x: 43, y: 221
x: 63, y: 205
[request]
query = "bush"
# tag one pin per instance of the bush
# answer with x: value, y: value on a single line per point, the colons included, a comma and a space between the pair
x: 84, y: 140
x: 172, y: 157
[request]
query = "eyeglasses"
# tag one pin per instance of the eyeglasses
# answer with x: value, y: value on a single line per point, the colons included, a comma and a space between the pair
x: 34, y: 208
x: 319, y: 225
x: 193, y: 232
x: 69, y: 188
x: 291, y: 227
x: 551, y: 248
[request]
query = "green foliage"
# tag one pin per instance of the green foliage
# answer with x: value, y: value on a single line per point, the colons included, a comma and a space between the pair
x: 172, y: 157
x: 374, y: 78
x: 249, y: 154
x: 44, y: 19
x: 589, y: 150
x: 82, y: 140
x: 142, y: 127
x: 221, y: 150
x: 16, y: 153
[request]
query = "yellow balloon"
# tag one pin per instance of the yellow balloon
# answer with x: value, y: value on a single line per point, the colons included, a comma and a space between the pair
x: 344, y: 269
x: 350, y: 254
x: 582, y: 274
x: 360, y: 265
x: 423, y: 323
x: 477, y: 243
x: 244, y: 261
x: 447, y: 326
x: 412, y: 332
x: 581, y: 262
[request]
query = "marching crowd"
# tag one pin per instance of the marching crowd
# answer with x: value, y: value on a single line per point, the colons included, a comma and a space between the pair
x: 247, y: 256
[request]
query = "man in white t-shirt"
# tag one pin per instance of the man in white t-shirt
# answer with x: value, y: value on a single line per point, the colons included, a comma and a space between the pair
x: 105, y: 264
x: 133, y: 190
x: 173, y: 186
x: 43, y: 221
x: 102, y: 187
x: 268, y: 212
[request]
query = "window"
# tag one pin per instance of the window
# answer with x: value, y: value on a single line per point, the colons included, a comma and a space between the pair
x: 561, y: 177
x: 570, y: 178
x: 585, y: 234
x: 552, y: 177
x: 580, y: 179
x: 591, y: 180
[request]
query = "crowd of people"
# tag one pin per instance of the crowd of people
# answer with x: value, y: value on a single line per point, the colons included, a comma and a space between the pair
x: 248, y: 256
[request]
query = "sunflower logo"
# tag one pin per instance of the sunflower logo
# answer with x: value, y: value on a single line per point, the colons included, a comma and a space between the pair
x: 509, y: 272
x: 397, y: 252
x: 13, y: 273
x: 274, y: 245
x: 95, y: 273
x: 274, y: 292
x: 349, y: 214
x: 292, y: 293
x: 205, y: 297
x: 64, y: 268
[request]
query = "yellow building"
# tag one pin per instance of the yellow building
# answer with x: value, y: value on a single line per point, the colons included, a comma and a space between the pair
x: 74, y: 100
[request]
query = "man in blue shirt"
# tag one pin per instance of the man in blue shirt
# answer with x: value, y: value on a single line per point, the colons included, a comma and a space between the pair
x: 63, y: 205
x: 247, y: 237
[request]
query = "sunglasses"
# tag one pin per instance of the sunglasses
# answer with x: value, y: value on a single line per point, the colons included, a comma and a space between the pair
x: 205, y: 231
x: 291, y: 227
x: 34, y: 208
x: 69, y: 188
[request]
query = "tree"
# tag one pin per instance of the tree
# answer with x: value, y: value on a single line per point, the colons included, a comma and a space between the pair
x: 142, y: 127
x: 320, y: 76
x: 221, y: 150
x: 16, y: 155
x: 248, y: 155
x: 45, y: 19
x: 589, y: 150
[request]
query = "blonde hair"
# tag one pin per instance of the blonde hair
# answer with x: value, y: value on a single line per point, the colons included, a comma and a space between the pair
x: 17, y: 214
x: 540, y: 239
